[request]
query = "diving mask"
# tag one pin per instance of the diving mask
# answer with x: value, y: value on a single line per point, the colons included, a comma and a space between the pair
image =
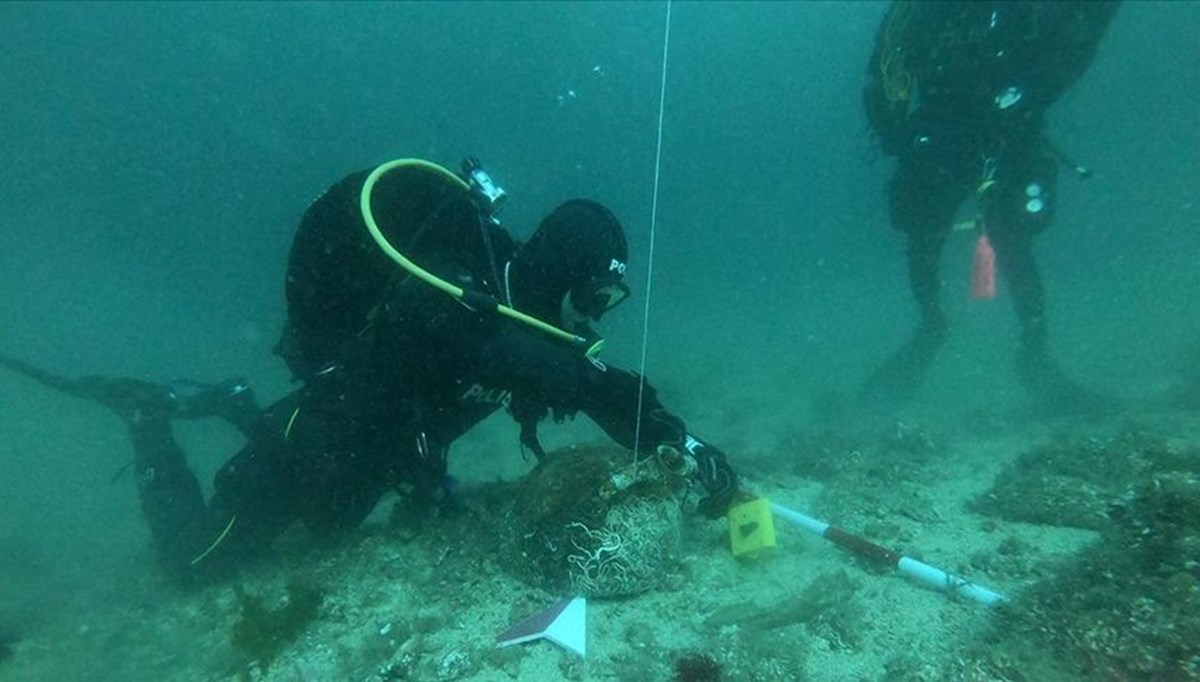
x: 596, y: 298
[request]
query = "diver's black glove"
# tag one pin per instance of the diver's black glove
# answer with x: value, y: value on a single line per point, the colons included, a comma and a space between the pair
x: 715, y: 474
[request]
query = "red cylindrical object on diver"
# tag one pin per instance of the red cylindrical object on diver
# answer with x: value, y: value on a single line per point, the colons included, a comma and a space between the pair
x: 983, y: 270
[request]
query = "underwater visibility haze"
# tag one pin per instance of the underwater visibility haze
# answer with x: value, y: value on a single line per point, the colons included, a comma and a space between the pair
x: 159, y: 157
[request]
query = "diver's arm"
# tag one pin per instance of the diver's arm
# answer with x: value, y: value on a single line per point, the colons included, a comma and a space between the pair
x: 612, y: 403
x: 545, y: 375
x: 551, y: 376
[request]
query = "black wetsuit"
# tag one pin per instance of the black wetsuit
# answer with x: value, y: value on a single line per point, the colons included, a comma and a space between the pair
x: 380, y: 408
x: 958, y: 92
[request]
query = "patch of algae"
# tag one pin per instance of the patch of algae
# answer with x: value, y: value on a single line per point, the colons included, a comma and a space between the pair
x: 262, y: 633
x: 1076, y: 482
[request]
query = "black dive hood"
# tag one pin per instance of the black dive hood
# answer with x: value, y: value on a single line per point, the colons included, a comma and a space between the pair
x: 580, y: 244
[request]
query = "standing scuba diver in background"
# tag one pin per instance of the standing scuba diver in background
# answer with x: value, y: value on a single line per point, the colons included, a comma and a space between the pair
x: 397, y: 362
x: 958, y: 91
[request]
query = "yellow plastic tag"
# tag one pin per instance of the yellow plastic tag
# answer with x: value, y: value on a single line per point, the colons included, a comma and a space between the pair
x: 751, y: 527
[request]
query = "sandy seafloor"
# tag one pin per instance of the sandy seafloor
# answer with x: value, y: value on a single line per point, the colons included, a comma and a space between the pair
x: 429, y: 607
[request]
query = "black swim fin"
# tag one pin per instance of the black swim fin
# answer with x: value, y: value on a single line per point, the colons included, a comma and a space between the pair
x: 132, y: 398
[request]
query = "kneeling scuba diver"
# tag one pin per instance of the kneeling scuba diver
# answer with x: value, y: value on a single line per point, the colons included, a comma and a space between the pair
x: 382, y: 402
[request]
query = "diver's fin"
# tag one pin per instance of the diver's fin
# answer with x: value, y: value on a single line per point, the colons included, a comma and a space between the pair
x: 39, y: 375
x: 130, y: 398
x: 231, y: 400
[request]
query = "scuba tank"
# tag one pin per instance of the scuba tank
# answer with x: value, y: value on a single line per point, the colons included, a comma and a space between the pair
x: 336, y: 271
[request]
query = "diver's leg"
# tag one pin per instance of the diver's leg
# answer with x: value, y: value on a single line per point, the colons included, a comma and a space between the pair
x: 1018, y: 267
x: 923, y: 253
x: 257, y: 494
x: 182, y: 526
x: 349, y: 456
x: 170, y: 496
x: 194, y: 541
x: 253, y: 501
x: 1023, y: 206
x: 309, y: 462
x: 923, y: 198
